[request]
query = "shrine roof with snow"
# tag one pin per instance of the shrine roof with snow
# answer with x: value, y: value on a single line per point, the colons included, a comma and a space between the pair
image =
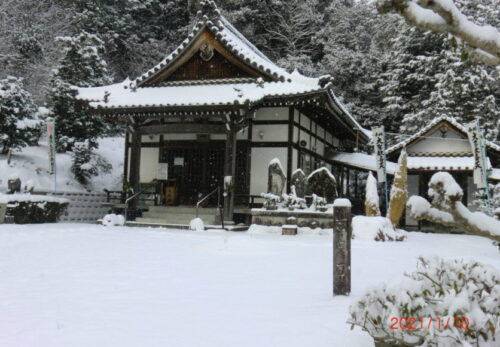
x: 216, y: 66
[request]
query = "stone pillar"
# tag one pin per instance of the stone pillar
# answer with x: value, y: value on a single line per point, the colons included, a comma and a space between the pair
x: 135, y: 164
x: 342, y: 233
x: 229, y: 174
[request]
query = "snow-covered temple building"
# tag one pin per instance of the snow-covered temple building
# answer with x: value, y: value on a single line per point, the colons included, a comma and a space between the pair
x: 217, y: 107
x: 443, y: 145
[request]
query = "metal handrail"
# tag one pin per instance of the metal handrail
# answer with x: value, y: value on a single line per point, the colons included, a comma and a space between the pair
x: 205, y: 198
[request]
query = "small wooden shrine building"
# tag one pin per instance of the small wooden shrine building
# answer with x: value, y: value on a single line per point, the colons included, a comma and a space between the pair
x: 443, y: 145
x: 216, y: 111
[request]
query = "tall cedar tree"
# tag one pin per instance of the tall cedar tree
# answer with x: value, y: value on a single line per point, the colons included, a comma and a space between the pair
x: 81, y: 65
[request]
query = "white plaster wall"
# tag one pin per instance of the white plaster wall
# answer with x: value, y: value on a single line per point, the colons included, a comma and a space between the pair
x: 295, y: 159
x: 272, y: 113
x: 320, y: 147
x: 296, y: 132
x: 413, y: 183
x: 439, y: 145
x: 260, y: 163
x: 305, y: 121
x: 270, y: 133
x: 149, y: 164
x: 305, y: 136
x: 150, y: 138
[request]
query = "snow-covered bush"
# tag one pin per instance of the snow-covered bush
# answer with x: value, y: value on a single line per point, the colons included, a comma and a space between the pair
x: 371, y: 197
x: 113, y: 220
x: 26, y: 208
x: 18, y: 124
x: 292, y: 201
x: 197, y: 224
x: 439, y: 289
x: 375, y: 228
x: 271, y: 201
x: 318, y: 203
x: 447, y: 208
x: 86, y: 164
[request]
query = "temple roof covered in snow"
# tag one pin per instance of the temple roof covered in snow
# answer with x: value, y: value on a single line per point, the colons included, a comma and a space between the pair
x: 216, y: 66
x: 423, y: 133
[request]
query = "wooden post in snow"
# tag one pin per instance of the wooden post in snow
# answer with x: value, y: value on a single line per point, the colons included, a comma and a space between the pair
x: 342, y: 233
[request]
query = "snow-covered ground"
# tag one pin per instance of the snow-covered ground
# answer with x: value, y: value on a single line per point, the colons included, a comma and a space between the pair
x: 86, y: 285
x: 31, y: 163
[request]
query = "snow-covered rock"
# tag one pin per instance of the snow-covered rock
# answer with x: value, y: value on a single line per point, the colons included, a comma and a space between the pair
x: 197, y: 225
x: 113, y: 220
x: 375, y: 229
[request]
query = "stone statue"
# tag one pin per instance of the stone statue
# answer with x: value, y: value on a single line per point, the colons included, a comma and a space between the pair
x: 299, y: 181
x: 322, y: 183
x: 276, y: 180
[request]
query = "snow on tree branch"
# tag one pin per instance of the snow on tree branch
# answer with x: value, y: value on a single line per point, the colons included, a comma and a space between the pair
x: 447, y: 208
x: 482, y: 42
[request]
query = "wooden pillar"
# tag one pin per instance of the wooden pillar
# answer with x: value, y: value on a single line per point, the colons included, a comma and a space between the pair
x: 342, y: 233
x: 135, y: 164
x: 290, y: 148
x: 229, y: 173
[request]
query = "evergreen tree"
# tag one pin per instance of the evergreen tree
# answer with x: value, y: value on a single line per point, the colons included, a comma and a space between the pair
x: 410, y: 75
x: 355, y: 40
x: 462, y: 91
x: 81, y: 65
x: 18, y: 124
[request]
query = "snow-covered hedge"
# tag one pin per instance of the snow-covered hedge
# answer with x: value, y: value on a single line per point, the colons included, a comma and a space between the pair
x: 375, y: 228
x: 27, y: 208
x: 439, y: 289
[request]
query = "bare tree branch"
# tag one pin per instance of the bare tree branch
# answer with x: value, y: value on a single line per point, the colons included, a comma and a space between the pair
x: 443, y: 16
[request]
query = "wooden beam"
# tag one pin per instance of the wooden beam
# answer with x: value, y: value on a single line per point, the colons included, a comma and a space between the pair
x: 290, y: 147
x: 183, y: 128
x: 230, y: 171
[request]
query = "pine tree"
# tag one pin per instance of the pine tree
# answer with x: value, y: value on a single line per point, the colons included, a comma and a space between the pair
x: 18, y: 124
x: 81, y: 65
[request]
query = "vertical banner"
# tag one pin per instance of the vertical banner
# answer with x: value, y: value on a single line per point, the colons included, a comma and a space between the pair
x: 475, y: 143
x: 480, y: 170
x: 51, y: 145
x: 379, y: 147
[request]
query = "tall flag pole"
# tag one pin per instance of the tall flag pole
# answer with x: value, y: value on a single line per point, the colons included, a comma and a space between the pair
x: 480, y: 162
x: 51, y: 143
x: 379, y: 147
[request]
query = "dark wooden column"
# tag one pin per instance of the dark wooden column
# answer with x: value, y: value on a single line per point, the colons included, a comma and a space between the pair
x: 135, y: 163
x: 230, y: 171
x: 290, y: 148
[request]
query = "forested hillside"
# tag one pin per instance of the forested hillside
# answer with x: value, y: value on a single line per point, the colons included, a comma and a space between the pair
x: 385, y: 71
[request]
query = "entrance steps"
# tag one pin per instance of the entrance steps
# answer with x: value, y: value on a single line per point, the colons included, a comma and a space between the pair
x: 178, y: 215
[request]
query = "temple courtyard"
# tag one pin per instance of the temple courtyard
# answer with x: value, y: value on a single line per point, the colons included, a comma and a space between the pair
x: 88, y: 285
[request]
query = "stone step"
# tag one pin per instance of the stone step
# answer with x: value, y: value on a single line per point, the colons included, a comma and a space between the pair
x: 174, y: 220
x: 182, y: 209
x: 166, y: 215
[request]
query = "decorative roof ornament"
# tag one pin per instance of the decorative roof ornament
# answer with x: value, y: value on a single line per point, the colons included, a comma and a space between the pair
x: 206, y: 52
x: 326, y: 81
x: 209, y: 11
